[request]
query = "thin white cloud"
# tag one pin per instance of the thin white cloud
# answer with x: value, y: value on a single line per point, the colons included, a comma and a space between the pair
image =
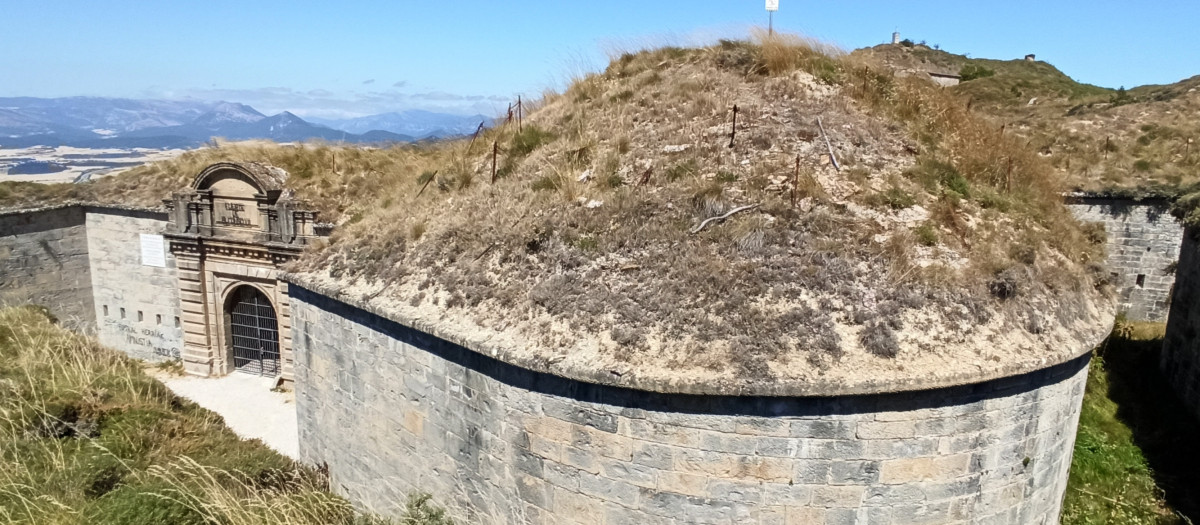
x: 322, y: 103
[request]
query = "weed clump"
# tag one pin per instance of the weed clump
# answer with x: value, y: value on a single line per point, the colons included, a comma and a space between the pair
x: 528, y: 139
x: 879, y: 339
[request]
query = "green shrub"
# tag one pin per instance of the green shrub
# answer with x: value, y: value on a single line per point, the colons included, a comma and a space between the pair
x: 1142, y: 165
x: 1121, y: 97
x: 143, y: 505
x: 725, y: 176
x: 990, y: 199
x: 971, y: 72
x: 529, y: 139
x: 419, y: 511
x: 934, y: 174
x: 425, y: 177
x: 926, y: 235
x: 894, y: 198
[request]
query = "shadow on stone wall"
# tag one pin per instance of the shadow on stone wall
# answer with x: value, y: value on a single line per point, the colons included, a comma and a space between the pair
x: 1162, y: 426
x: 760, y: 406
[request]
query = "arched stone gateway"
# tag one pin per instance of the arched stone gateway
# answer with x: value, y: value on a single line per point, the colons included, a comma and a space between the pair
x: 252, y: 330
x: 230, y: 232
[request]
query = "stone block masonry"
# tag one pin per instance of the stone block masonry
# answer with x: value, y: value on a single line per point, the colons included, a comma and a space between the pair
x: 137, y: 304
x: 1180, y: 360
x: 1142, y: 250
x: 44, y: 261
x: 84, y: 264
x: 392, y: 410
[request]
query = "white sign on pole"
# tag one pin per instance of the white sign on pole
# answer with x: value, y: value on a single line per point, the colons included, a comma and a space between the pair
x: 152, y: 251
x: 772, y: 5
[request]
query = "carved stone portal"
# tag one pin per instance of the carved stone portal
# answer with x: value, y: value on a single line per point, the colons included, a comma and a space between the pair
x: 234, y: 228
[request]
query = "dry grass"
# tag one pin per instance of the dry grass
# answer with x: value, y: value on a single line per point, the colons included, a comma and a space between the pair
x: 586, y: 226
x: 87, y: 437
x: 1096, y: 139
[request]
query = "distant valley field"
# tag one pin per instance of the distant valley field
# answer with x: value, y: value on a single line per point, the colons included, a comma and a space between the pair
x: 48, y: 164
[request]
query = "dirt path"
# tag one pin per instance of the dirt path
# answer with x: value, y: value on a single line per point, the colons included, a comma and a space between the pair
x: 248, y: 405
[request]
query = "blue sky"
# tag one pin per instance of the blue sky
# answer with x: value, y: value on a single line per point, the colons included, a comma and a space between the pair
x: 348, y: 58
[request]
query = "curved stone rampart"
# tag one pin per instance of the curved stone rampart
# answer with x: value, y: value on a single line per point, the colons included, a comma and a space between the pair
x: 391, y: 410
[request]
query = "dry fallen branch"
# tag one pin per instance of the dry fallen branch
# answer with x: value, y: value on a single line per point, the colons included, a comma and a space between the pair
x: 829, y: 146
x: 704, y: 224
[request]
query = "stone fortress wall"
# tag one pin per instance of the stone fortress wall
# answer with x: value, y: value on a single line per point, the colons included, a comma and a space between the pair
x: 1142, y: 250
x: 391, y: 411
x: 44, y: 261
x: 1180, y: 359
x: 137, y: 303
x: 84, y: 263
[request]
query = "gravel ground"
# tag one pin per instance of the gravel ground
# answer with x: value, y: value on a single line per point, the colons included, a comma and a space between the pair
x: 248, y: 405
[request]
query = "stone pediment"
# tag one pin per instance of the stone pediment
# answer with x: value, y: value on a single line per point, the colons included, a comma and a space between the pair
x: 240, y: 177
x: 241, y: 201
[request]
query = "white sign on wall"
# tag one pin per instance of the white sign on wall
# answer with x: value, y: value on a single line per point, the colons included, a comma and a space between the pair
x: 153, y: 253
x: 772, y: 5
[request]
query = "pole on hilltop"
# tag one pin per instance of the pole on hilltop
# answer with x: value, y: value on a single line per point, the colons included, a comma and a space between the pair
x: 772, y: 6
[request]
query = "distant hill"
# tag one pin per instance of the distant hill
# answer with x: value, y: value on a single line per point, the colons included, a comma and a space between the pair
x: 1130, y: 141
x: 414, y: 122
x: 91, y: 122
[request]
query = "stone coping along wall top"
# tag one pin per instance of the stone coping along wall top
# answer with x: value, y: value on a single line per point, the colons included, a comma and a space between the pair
x: 896, y: 375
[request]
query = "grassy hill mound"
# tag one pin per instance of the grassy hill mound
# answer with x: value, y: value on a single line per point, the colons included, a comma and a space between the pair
x: 630, y: 235
x: 997, y: 86
x: 1120, y: 141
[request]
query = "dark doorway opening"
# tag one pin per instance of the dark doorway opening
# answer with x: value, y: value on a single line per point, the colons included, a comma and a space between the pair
x: 253, y: 332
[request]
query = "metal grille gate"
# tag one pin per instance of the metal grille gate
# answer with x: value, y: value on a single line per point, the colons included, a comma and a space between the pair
x: 254, y: 333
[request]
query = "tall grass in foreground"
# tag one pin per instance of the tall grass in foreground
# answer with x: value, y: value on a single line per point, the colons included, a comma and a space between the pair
x: 87, y: 438
x: 1134, y: 459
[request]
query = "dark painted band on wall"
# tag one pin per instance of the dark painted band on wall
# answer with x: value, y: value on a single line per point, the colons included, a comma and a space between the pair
x: 632, y: 399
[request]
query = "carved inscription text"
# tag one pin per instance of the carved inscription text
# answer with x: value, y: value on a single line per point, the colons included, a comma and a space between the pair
x: 231, y: 214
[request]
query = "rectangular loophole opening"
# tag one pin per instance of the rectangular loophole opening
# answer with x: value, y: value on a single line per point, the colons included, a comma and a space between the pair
x: 177, y: 321
x: 140, y: 316
x: 157, y: 318
x: 1141, y: 280
x: 122, y: 313
x: 106, y: 310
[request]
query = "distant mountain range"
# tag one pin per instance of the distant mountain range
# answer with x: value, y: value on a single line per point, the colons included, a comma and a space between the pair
x: 414, y: 122
x: 92, y: 122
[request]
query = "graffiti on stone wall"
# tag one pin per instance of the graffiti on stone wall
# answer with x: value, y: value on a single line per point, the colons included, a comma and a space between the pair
x: 151, y: 340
